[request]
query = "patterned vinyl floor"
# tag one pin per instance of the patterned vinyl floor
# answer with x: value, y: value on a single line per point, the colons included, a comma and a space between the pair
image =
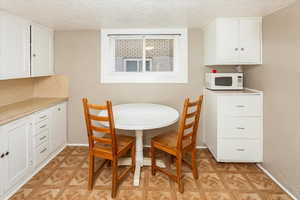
x: 65, y: 178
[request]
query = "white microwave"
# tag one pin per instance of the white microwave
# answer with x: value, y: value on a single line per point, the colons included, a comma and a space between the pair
x: 224, y: 81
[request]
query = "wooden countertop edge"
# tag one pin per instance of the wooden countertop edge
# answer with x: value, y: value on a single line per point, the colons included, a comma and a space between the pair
x: 35, y: 108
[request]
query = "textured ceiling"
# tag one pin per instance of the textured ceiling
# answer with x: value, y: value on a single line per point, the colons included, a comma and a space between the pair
x: 94, y: 14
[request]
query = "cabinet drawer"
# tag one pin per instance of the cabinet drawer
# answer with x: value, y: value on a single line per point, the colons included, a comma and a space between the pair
x: 41, y: 138
x: 240, y: 150
x: 241, y: 127
x: 42, y: 126
x: 38, y: 117
x: 243, y: 105
x: 41, y: 153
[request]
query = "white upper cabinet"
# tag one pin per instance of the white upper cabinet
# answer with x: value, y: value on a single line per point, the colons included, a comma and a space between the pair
x: 26, y: 49
x: 14, y: 47
x: 41, y: 51
x: 233, y: 41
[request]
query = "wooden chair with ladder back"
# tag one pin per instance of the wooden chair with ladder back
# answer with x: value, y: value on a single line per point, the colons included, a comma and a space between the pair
x: 109, y: 147
x: 177, y: 143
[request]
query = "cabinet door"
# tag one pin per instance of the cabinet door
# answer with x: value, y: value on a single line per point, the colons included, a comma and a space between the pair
x: 227, y: 41
x: 59, y: 126
x: 250, y: 41
x: 3, y: 161
x: 14, y: 47
x: 18, y: 158
x: 41, y: 51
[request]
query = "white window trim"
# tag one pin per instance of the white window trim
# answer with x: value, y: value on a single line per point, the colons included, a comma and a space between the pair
x: 178, y: 75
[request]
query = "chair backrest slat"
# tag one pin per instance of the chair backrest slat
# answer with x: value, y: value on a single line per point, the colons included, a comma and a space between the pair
x: 102, y: 140
x: 97, y: 107
x: 100, y: 129
x: 98, y: 118
x: 189, y: 120
x: 93, y: 127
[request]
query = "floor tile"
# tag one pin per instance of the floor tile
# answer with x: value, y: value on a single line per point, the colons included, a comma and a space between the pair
x: 236, y: 181
x: 158, y: 195
x: 262, y: 182
x: 188, y: 195
x: 210, y: 181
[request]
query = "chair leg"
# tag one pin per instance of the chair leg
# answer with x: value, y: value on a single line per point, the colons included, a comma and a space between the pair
x: 114, y: 177
x: 194, y: 164
x: 178, y: 169
x: 153, y: 160
x: 91, y: 171
x: 133, y: 157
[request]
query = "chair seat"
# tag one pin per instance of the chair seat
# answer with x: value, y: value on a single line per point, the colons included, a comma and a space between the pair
x: 168, y: 140
x: 123, y: 143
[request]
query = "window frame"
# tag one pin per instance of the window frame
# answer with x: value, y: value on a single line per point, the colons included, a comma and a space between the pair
x: 180, y: 61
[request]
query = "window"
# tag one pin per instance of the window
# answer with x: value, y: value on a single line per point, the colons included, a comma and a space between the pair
x: 144, y: 56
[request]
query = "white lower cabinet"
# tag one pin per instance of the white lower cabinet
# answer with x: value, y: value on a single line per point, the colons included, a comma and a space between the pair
x: 15, y: 152
x: 27, y: 144
x: 233, y: 125
x: 59, y: 126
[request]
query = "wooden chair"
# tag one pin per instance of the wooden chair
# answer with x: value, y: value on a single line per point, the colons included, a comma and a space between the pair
x: 179, y: 142
x: 110, y: 147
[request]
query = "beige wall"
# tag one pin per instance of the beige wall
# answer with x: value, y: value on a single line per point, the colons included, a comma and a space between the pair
x: 279, y: 78
x: 77, y: 55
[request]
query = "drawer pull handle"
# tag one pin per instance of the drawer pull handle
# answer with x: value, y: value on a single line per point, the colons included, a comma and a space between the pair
x: 240, y: 128
x: 43, y: 150
x: 240, y: 106
x: 43, y: 138
x: 43, y: 126
x: 42, y: 117
x: 240, y: 149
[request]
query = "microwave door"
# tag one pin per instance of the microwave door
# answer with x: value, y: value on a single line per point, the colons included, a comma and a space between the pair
x: 223, y: 81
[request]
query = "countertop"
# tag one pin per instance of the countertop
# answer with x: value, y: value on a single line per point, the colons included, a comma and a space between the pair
x: 17, y: 110
x: 246, y: 91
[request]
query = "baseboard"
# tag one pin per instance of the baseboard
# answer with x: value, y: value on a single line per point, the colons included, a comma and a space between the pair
x: 80, y: 145
x: 276, y: 181
x: 147, y: 146
x: 34, y: 172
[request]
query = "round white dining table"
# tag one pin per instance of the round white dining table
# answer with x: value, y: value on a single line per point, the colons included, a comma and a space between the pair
x: 140, y: 117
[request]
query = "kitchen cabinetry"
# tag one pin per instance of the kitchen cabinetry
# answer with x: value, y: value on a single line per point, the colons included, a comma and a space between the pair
x: 28, y: 143
x: 41, y: 51
x: 233, y: 41
x: 14, y: 47
x: 233, y: 125
x: 26, y: 49
x: 15, y: 151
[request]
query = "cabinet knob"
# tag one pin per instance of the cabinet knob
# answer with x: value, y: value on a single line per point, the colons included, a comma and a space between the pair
x: 7, y: 153
x: 59, y: 109
x: 242, y: 49
x: 34, y: 55
x: 236, y: 49
x: 2, y: 155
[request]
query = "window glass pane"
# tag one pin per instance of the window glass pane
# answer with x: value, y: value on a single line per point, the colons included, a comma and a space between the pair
x: 160, y: 55
x: 131, y: 66
x: 128, y: 52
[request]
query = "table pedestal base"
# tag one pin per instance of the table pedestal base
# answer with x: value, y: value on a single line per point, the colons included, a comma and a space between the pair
x: 140, y: 160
